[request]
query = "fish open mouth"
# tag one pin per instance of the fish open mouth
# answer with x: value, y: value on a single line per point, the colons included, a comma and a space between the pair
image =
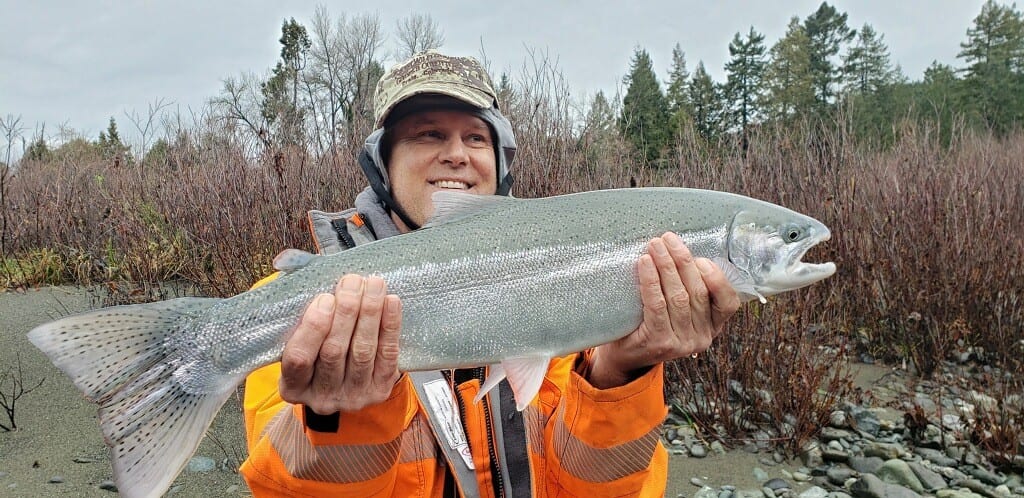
x: 803, y: 273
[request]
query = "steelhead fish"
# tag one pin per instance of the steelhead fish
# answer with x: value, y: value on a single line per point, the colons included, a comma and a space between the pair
x: 490, y: 280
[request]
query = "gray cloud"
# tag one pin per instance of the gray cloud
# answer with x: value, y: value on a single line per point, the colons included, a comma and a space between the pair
x: 79, y: 63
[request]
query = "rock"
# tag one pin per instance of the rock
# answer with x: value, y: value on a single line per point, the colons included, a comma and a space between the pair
x: 232, y: 489
x: 832, y: 434
x: 834, y: 455
x: 838, y: 419
x: 201, y: 464
x: 725, y: 493
x: 985, y: 476
x: 812, y: 455
x: 767, y: 462
x: 108, y: 486
x: 670, y: 434
x: 865, y: 465
x: 83, y: 460
x: 696, y: 481
x: 935, y: 456
x: 870, y: 486
x: 864, y: 420
x: 3, y: 474
x: 717, y: 448
x: 777, y: 484
x: 760, y: 475
x: 886, y: 451
x: 931, y: 481
x: 838, y: 475
x: 978, y: 487
x: 898, y: 472
x: 767, y: 492
x: 956, y: 493
x: 749, y: 493
x: 706, y: 492
x: 698, y: 451
x: 801, y: 477
x: 813, y: 492
x: 56, y: 480
x: 1003, y: 491
x: 12, y: 485
x: 677, y: 451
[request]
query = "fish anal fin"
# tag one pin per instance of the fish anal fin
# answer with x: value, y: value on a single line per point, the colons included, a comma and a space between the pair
x: 525, y: 375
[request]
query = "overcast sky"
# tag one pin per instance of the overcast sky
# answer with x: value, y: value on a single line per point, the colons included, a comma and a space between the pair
x: 78, y: 62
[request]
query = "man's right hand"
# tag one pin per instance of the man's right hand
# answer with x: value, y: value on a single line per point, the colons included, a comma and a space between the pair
x: 343, y: 355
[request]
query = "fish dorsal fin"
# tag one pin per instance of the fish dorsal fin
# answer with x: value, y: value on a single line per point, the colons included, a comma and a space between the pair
x: 525, y: 375
x: 450, y: 206
x: 740, y: 281
x: 290, y: 260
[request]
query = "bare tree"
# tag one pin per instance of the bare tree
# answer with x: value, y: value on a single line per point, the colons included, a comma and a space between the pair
x: 146, y: 126
x: 239, y: 103
x: 416, y: 33
x: 11, y: 129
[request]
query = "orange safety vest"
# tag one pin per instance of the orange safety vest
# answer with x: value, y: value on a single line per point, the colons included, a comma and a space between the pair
x: 580, y: 440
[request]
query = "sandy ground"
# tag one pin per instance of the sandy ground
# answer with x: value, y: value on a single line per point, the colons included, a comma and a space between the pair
x: 57, y: 426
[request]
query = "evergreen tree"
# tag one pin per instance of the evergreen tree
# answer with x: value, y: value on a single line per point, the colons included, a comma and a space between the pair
x: 994, y: 76
x: 743, y: 88
x: 280, y: 106
x: 788, y: 82
x: 826, y: 31
x: 866, y: 65
x: 677, y: 94
x: 706, y: 100
x: 644, y: 119
x: 109, y: 143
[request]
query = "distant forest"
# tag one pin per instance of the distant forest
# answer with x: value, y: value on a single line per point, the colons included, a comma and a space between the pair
x: 318, y: 95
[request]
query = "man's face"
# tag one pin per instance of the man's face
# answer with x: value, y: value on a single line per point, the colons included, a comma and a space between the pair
x: 439, y: 150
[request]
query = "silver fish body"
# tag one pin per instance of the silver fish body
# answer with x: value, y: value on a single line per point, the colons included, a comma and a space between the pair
x: 492, y: 280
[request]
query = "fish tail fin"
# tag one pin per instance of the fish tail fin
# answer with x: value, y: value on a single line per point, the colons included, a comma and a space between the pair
x: 122, y: 359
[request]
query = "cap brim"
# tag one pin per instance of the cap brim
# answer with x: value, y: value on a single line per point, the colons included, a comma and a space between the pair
x: 468, y: 94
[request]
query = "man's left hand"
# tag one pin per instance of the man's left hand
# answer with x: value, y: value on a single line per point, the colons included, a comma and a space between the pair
x: 686, y: 303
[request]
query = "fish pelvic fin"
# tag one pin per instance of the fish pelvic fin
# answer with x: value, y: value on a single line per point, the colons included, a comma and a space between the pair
x: 120, y: 358
x: 525, y: 376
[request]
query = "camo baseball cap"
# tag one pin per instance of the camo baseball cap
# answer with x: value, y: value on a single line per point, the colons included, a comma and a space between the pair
x: 462, y: 78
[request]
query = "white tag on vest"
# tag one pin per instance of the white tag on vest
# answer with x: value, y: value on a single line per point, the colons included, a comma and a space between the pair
x: 442, y: 403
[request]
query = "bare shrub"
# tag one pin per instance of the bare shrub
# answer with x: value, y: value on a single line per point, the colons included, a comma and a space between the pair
x: 13, y: 388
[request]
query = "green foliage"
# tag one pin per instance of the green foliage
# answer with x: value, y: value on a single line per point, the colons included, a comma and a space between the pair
x: 280, y: 106
x: 644, y: 119
x: 826, y: 31
x: 705, y: 99
x: 994, y: 76
x: 866, y: 66
x: 109, y: 144
x: 38, y: 151
x: 678, y: 93
x: 788, y: 80
x: 743, y: 87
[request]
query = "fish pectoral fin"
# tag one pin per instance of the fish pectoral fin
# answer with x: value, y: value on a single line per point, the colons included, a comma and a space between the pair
x: 741, y: 283
x: 525, y: 375
x: 290, y: 260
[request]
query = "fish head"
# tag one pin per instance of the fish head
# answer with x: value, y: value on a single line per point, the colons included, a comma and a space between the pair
x: 767, y: 246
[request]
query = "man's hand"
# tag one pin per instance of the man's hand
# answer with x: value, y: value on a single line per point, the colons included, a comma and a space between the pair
x: 343, y: 355
x: 686, y: 303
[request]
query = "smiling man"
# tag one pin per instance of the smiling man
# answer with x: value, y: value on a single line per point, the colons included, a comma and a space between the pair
x: 336, y: 418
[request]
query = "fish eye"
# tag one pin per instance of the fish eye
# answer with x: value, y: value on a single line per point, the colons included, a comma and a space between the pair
x: 792, y: 234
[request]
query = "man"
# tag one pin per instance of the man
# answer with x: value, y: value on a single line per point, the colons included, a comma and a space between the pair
x: 336, y: 418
